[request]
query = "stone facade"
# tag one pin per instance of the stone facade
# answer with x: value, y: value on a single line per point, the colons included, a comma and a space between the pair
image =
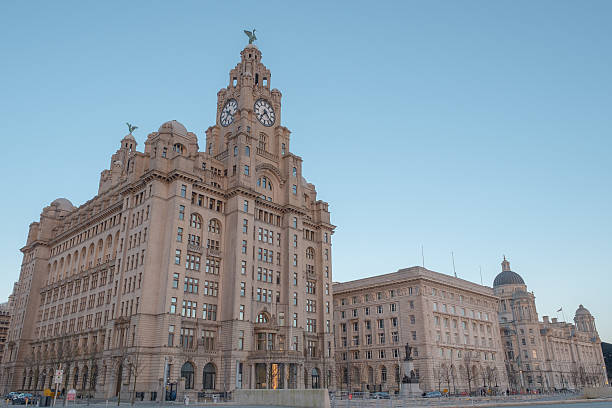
x: 465, y: 337
x: 5, y: 321
x: 546, y: 354
x: 206, y: 270
x: 450, y: 323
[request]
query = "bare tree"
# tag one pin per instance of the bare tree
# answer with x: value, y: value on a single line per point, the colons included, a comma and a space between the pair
x: 438, y: 374
x: 446, y: 376
x: 135, y: 366
x: 469, y: 371
x: 452, y: 370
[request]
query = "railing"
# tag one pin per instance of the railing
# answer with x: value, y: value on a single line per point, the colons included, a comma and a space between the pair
x: 222, y: 155
x: 213, y: 252
x: 266, y: 154
x: 195, y: 248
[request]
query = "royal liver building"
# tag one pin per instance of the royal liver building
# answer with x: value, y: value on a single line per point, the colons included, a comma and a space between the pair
x: 192, y: 269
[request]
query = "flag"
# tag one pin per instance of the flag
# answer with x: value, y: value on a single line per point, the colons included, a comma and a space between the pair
x: 559, y: 310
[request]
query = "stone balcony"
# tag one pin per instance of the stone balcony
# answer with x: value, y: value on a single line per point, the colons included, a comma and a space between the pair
x: 195, y: 248
x: 213, y: 252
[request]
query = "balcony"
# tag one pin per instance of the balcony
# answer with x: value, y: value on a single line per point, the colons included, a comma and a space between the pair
x: 222, y: 155
x: 266, y: 154
x: 195, y: 248
x: 213, y: 252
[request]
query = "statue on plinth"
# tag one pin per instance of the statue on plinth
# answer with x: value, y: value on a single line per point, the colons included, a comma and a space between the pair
x: 408, y: 353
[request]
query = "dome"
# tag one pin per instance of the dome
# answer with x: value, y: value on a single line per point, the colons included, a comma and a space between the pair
x: 582, y: 311
x: 508, y: 278
x: 63, y: 204
x: 174, y: 128
x: 129, y: 137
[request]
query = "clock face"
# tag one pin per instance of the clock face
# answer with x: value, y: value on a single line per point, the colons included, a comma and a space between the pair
x: 264, y: 112
x: 228, y: 112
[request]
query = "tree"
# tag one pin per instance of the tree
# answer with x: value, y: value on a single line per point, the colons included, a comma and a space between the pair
x: 438, y: 374
x: 135, y: 366
x: 469, y: 369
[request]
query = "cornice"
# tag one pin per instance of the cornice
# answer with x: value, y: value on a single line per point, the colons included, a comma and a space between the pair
x: 87, y: 223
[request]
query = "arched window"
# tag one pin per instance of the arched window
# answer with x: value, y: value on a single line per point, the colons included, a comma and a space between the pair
x: 178, y: 148
x: 85, y: 378
x: 213, y: 226
x: 208, y: 377
x: 370, y: 375
x: 315, y: 378
x: 247, y: 151
x: 383, y: 374
x: 283, y: 149
x: 75, y: 377
x: 310, y: 253
x: 187, y: 374
x: 196, y: 221
x: 93, y: 378
x: 262, y: 318
x: 265, y: 183
x: 294, y: 172
x: 356, y: 376
x: 235, y: 150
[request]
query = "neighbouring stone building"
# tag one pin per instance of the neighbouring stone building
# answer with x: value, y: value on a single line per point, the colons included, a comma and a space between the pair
x: 201, y: 270
x: 545, y: 354
x: 5, y: 321
x: 450, y: 323
x: 465, y: 337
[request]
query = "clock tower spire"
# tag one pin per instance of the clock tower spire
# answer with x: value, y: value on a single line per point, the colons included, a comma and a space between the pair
x: 249, y: 106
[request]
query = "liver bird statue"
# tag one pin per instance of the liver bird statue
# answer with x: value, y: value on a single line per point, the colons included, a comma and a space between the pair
x: 251, y: 36
x: 131, y: 127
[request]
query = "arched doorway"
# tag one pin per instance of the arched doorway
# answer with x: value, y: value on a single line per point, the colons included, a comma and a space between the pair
x: 208, y: 376
x: 314, y: 377
x: 43, y: 378
x: 187, y: 374
x: 75, y: 377
x: 84, y: 385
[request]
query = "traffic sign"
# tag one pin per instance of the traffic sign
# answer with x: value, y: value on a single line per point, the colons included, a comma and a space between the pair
x: 59, y: 375
x: 71, y: 395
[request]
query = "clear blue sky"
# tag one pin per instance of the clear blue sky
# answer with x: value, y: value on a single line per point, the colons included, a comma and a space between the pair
x: 478, y: 127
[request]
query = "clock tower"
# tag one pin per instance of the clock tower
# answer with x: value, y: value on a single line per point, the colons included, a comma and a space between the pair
x: 276, y: 309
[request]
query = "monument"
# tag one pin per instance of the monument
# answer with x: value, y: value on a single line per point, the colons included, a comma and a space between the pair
x: 410, y: 383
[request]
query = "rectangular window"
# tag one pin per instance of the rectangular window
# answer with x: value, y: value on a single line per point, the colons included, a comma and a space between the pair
x: 241, y: 313
x: 173, y: 305
x: 170, y: 335
x: 241, y: 339
x: 183, y: 190
x: 246, y: 170
x: 243, y: 267
x: 246, y: 206
x: 177, y: 257
x: 294, y: 189
x: 179, y: 235
x: 245, y: 225
x: 181, y: 212
x: 175, y: 280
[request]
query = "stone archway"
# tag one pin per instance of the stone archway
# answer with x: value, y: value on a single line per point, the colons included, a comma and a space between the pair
x: 209, y: 374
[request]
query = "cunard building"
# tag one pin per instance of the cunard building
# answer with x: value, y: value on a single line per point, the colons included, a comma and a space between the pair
x: 196, y: 268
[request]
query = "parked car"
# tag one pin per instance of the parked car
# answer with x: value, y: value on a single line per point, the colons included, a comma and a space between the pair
x: 380, y: 395
x: 11, y: 395
x: 432, y: 394
x: 21, y: 398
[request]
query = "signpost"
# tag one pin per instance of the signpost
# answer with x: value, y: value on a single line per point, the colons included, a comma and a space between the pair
x: 57, y: 380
